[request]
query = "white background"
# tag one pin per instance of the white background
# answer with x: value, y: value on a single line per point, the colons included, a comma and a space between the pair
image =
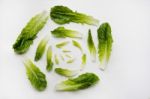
x: 127, y: 75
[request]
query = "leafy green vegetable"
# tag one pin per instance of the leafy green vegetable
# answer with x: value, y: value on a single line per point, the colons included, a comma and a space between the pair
x: 56, y: 59
x: 67, y: 55
x: 41, y: 48
x: 62, y: 32
x: 29, y: 32
x: 83, y: 60
x: 91, y: 45
x: 62, y: 44
x: 81, y: 82
x: 77, y: 44
x: 35, y: 76
x: 49, y: 59
x: 66, y: 72
x: 70, y: 61
x: 66, y: 51
x: 105, y: 41
x: 62, y: 57
x: 64, y: 15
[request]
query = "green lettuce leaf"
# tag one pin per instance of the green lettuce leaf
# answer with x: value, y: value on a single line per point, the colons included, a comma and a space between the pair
x: 41, y: 48
x: 49, y: 59
x: 62, y: 32
x: 81, y: 82
x: 91, y: 46
x: 29, y: 32
x: 105, y: 41
x: 77, y: 44
x: 64, y: 15
x: 35, y: 76
x: 66, y: 72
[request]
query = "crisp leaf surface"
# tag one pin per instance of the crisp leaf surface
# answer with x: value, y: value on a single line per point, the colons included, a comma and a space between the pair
x: 77, y: 44
x: 29, y: 32
x: 62, y: 32
x: 81, y: 82
x: 49, y: 59
x: 35, y: 76
x: 91, y: 46
x: 41, y: 48
x: 105, y: 41
x: 64, y: 15
x: 66, y: 72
